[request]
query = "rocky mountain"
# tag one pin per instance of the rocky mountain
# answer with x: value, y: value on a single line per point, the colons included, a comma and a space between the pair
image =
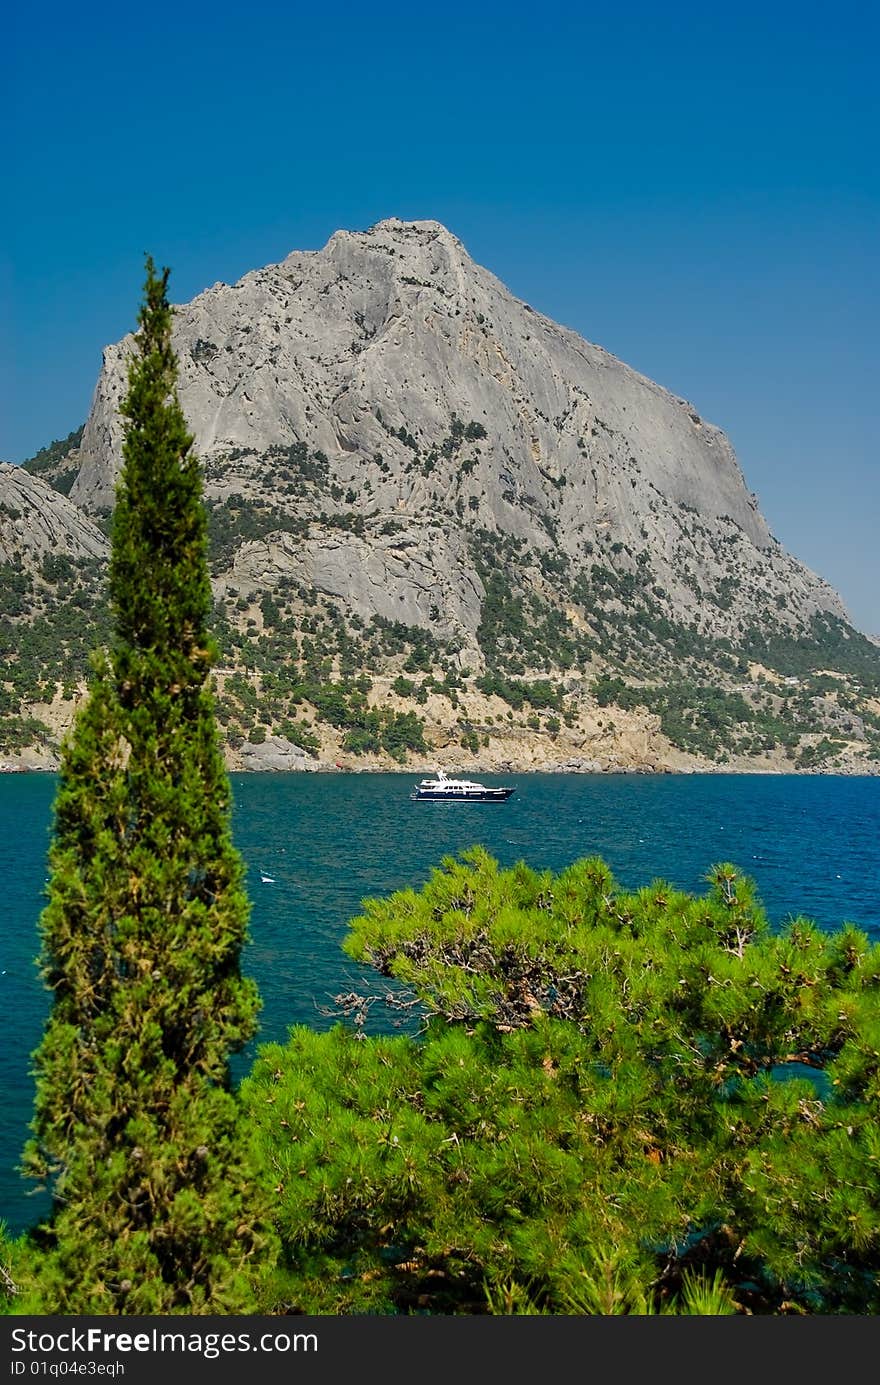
x: 443, y: 526
x: 40, y: 526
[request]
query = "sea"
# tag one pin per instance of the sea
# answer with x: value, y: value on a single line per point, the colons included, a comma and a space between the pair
x: 317, y: 845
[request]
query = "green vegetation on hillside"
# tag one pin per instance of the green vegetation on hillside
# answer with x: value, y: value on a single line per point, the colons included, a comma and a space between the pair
x: 50, y: 622
x: 830, y: 644
x: 49, y: 461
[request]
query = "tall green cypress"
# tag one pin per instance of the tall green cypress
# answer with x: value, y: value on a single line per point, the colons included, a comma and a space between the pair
x: 154, y: 1209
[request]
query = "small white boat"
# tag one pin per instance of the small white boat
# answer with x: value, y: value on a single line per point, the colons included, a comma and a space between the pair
x: 446, y: 790
x: 267, y: 879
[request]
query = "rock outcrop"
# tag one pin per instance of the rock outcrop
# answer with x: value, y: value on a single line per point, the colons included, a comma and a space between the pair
x: 37, y: 522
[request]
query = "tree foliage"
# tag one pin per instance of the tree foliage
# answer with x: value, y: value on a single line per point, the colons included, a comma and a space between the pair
x: 623, y: 1103
x: 154, y: 1209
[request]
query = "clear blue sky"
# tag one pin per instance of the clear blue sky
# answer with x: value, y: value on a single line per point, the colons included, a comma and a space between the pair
x: 694, y: 187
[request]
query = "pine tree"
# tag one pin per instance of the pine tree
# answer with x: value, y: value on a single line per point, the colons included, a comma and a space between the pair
x: 619, y: 1102
x: 154, y: 1209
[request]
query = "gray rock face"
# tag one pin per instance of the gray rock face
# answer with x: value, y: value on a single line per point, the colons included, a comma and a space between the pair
x: 274, y: 754
x: 395, y: 577
x: 36, y: 520
x: 442, y: 404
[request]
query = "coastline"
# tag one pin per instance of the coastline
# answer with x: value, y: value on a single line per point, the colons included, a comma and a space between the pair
x: 453, y: 767
x: 476, y: 733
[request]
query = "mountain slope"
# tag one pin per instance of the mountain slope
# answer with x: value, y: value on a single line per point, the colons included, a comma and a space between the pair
x: 410, y: 472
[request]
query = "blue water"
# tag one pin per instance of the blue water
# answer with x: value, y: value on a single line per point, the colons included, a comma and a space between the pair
x: 812, y: 843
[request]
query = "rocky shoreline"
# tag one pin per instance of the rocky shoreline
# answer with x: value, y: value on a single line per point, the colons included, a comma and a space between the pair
x: 276, y: 756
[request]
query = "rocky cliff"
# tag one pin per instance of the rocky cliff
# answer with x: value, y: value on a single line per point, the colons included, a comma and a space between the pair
x: 420, y: 488
x: 37, y: 523
x: 443, y: 402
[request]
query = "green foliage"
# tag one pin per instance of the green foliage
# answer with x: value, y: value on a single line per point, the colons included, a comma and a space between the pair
x: 46, y: 634
x: 831, y: 643
x: 540, y: 693
x: 50, y: 458
x: 621, y: 1102
x: 469, y: 740
x: 239, y: 520
x: 503, y: 618
x: 18, y: 733
x: 710, y: 721
x: 375, y: 729
x: 613, y: 691
x: 306, y: 468
x: 595, y: 1120
x: 518, y: 628
x: 459, y: 433
x: 14, y: 586
x: 57, y: 567
x: 342, y: 703
x: 298, y: 735
x: 154, y: 1206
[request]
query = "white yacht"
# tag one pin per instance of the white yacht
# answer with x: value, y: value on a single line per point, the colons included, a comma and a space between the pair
x: 444, y: 789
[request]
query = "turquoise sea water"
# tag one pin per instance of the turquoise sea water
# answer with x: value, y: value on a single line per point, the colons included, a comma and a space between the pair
x: 812, y: 843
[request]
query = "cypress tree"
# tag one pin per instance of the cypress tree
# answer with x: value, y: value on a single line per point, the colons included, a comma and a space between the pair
x: 154, y: 1207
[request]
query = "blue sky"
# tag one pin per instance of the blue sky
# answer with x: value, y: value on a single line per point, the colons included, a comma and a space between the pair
x: 693, y: 187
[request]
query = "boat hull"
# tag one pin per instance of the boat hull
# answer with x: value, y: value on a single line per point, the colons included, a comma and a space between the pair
x: 444, y: 796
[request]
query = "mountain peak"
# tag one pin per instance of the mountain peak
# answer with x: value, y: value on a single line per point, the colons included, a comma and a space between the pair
x: 430, y: 230
x: 407, y: 243
x: 433, y: 394
x: 396, y: 223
